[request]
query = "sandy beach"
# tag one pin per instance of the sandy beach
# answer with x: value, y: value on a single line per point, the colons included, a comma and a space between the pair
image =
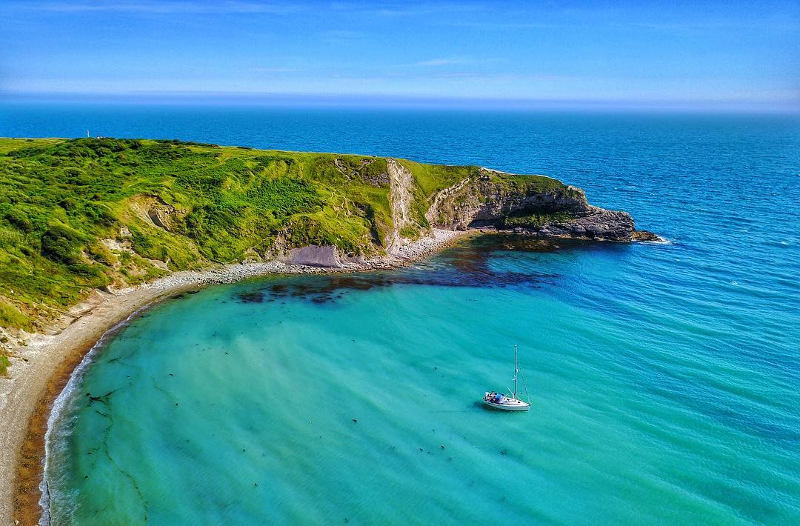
x: 41, y: 366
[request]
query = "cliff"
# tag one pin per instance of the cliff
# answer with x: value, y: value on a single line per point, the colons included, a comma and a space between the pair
x: 521, y: 203
x: 76, y: 215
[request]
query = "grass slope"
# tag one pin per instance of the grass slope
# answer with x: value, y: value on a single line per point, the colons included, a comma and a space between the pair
x: 86, y: 213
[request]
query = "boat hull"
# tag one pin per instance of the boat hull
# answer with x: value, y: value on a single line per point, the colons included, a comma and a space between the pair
x: 507, y: 404
x: 501, y: 407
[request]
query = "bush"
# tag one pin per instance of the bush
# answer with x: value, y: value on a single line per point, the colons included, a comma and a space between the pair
x: 62, y: 244
x: 101, y: 214
x: 19, y: 219
x: 93, y: 275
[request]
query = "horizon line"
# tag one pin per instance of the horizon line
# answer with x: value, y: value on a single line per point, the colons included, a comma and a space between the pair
x: 373, y: 100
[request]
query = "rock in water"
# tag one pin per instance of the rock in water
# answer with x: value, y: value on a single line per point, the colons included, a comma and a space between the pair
x: 598, y: 223
x: 645, y: 235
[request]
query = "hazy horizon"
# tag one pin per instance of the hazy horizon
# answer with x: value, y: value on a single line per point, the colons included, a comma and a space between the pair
x: 388, y: 102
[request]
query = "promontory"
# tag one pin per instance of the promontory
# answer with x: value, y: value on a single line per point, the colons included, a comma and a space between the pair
x: 84, y: 214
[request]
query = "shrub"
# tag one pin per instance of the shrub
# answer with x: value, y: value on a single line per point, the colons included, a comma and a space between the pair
x: 62, y: 244
x: 19, y: 219
x: 100, y: 213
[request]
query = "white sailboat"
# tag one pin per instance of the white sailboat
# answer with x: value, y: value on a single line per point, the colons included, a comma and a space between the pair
x: 505, y: 402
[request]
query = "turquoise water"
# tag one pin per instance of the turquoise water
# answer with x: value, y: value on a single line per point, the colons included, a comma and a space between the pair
x: 663, y: 376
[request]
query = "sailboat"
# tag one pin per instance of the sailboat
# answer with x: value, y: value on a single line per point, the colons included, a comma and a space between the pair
x: 505, y: 402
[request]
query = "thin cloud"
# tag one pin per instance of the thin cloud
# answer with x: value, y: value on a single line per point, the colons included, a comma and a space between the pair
x: 441, y: 62
x: 437, y: 62
x: 341, y: 34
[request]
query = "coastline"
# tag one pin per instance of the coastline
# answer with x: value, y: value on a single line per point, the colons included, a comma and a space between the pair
x: 43, y: 365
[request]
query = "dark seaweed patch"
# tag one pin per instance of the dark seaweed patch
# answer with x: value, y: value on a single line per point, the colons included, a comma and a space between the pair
x: 250, y: 297
x: 103, y: 399
x: 465, y: 266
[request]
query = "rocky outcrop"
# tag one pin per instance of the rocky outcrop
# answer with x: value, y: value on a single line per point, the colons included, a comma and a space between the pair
x: 153, y: 209
x: 160, y: 216
x: 597, y: 223
x: 541, y: 207
x: 315, y: 256
x: 645, y: 235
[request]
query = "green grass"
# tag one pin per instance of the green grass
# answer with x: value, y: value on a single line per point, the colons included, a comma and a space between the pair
x: 4, y: 363
x: 78, y: 214
x: 10, y: 316
x: 533, y: 220
x: 410, y: 232
x: 61, y: 199
x: 533, y: 184
x: 434, y: 177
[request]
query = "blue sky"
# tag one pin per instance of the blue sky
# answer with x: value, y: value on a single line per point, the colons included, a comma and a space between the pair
x: 725, y: 54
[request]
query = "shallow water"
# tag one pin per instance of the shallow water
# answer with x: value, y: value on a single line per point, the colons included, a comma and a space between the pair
x: 663, y: 377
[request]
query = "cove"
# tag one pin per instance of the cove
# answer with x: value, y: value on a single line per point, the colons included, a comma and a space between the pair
x: 352, y: 398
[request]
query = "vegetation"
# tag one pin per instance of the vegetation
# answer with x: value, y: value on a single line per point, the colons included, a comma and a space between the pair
x: 533, y: 220
x: 87, y: 213
x: 4, y: 364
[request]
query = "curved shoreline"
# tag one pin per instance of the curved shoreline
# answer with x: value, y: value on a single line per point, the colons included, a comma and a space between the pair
x: 64, y: 393
x: 44, y: 365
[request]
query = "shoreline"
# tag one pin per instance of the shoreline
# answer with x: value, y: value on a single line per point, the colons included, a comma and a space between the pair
x: 44, y: 364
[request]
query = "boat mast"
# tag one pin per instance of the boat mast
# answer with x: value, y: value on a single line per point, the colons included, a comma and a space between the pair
x: 516, y: 370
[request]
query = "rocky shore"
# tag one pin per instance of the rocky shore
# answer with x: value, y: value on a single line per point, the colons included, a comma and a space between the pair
x: 596, y: 224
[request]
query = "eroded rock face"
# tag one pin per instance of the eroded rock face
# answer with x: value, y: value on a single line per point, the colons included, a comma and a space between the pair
x: 316, y: 256
x: 154, y: 209
x: 160, y: 216
x: 400, y: 197
x: 484, y: 202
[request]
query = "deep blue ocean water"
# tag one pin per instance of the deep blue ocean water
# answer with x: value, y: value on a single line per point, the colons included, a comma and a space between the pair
x: 664, y: 377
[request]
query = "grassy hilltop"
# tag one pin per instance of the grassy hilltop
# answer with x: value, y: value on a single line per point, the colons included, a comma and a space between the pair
x: 86, y: 213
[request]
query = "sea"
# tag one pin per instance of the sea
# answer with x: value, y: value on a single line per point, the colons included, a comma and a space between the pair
x: 664, y: 378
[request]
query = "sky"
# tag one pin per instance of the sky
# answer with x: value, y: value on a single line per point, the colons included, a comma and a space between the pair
x: 726, y: 54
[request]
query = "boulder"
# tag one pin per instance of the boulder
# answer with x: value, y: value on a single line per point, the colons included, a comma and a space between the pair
x: 316, y: 256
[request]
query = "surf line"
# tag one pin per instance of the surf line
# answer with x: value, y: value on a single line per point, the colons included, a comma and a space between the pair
x: 61, y: 402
